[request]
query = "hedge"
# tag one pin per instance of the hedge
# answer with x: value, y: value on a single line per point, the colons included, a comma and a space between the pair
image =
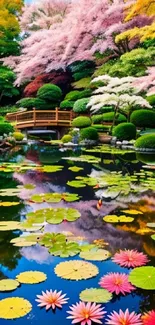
x: 50, y: 93
x: 81, y: 122
x: 89, y: 133
x: 143, y: 118
x: 66, y: 104
x: 38, y: 103
x: 124, y: 131
x: 77, y: 94
x: 108, y: 117
x: 97, y: 118
x: 80, y: 106
x: 151, y: 99
x: 5, y: 128
x: 146, y: 141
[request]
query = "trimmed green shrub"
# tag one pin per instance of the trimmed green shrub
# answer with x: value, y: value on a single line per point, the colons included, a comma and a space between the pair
x: 18, y: 136
x: 66, y: 104
x: 50, y: 93
x: 76, y: 94
x: 37, y: 103
x: 81, y: 122
x: 143, y: 118
x: 106, y: 109
x: 78, y: 66
x: 146, y: 141
x: 108, y: 117
x: 83, y: 74
x: 151, y: 99
x: 124, y: 131
x: 82, y: 83
x: 8, y: 109
x: 80, y: 105
x: 101, y: 127
x: 5, y: 128
x: 97, y: 118
x: 89, y: 133
x: 66, y: 138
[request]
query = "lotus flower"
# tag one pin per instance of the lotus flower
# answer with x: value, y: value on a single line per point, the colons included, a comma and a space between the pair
x: 124, y: 318
x: 116, y: 282
x: 51, y: 299
x: 85, y: 314
x: 130, y: 258
x: 149, y: 318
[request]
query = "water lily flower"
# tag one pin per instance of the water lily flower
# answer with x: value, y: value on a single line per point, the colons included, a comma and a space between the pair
x: 124, y: 318
x: 51, y: 299
x: 130, y: 258
x: 116, y: 283
x: 86, y: 313
x: 149, y: 318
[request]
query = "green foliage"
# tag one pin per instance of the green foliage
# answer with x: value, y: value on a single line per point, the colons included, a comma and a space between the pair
x: 106, y: 109
x: 146, y: 141
x: 66, y: 104
x: 5, y: 128
x: 38, y: 103
x: 97, y: 118
x: 79, y: 66
x: 133, y: 63
x: 124, y: 131
x: 101, y: 127
x: 148, y: 43
x: 66, y: 138
x: 76, y: 94
x: 89, y: 133
x: 151, y: 100
x: 8, y: 109
x: 81, y: 122
x: 143, y: 118
x: 83, y: 74
x: 18, y: 136
x: 7, y: 78
x: 80, y: 105
x: 82, y: 83
x: 50, y: 93
x: 108, y: 117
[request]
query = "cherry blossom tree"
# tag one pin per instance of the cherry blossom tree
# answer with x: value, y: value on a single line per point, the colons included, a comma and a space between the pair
x: 146, y: 83
x: 87, y: 28
x: 118, y: 92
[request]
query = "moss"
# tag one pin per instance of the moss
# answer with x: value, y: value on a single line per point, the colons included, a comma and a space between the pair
x: 146, y: 141
x: 143, y: 118
x: 81, y: 122
x: 89, y: 133
x: 124, y: 131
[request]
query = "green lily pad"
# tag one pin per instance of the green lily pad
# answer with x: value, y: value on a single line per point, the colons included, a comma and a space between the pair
x: 29, y: 186
x: 29, y: 240
x: 153, y: 237
x: 151, y: 224
x: 116, y: 219
x: 51, y: 169
x: 75, y: 169
x: 95, y: 295
x: 51, y: 239
x: 65, y: 250
x: 54, y: 197
x: 56, y: 216
x: 76, y: 184
x: 143, y: 277
x: 95, y: 254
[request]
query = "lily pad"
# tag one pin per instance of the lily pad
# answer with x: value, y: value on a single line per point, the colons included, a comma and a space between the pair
x: 56, y: 216
x: 134, y: 212
x: 143, y: 277
x: 8, y: 285
x: 14, y: 307
x: 54, y: 197
x: 151, y: 224
x: 95, y: 255
x: 9, y: 225
x: 51, y: 239
x: 153, y: 237
x: 116, y: 219
x: 51, y: 169
x: 31, y: 277
x: 65, y: 250
x: 75, y: 169
x: 8, y: 204
x: 29, y: 186
x: 95, y: 295
x: 76, y: 270
x: 76, y: 184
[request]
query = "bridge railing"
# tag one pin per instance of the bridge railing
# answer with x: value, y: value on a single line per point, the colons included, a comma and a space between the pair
x: 41, y: 118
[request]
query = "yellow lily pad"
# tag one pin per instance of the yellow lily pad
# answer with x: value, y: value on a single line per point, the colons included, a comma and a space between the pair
x: 75, y: 169
x: 8, y: 204
x: 31, y: 277
x: 95, y: 295
x: 135, y: 212
x: 117, y: 219
x: 15, y: 307
x: 95, y: 254
x: 9, y: 225
x: 8, y: 284
x: 76, y: 270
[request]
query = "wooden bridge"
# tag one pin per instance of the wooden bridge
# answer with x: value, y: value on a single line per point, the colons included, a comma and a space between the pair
x: 41, y: 118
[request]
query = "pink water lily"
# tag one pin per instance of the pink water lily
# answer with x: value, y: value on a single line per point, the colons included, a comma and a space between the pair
x: 116, y: 283
x: 124, y: 318
x: 149, y: 318
x: 86, y: 313
x: 130, y: 258
x: 51, y: 299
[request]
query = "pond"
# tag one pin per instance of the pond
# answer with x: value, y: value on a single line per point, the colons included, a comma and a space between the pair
x: 107, y: 182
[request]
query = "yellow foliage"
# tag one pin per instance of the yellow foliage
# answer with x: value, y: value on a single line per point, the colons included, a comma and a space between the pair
x: 143, y: 33
x: 141, y: 7
x: 9, y: 25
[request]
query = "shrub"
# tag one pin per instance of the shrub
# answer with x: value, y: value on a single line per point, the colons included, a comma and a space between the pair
x: 66, y: 138
x: 83, y: 74
x: 89, y: 133
x: 146, y: 141
x: 81, y: 122
x: 50, y: 93
x: 97, y: 118
x: 76, y: 94
x: 66, y: 104
x: 5, y: 128
x: 124, y: 131
x: 101, y: 127
x: 143, y: 118
x: 8, y: 109
x: 108, y: 117
x: 79, y: 66
x: 106, y: 109
x: 80, y: 105
x: 18, y: 136
x: 82, y: 83
x: 30, y: 103
x: 151, y: 100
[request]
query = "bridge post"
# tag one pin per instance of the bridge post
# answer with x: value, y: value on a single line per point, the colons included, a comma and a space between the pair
x: 56, y: 115
x: 34, y: 116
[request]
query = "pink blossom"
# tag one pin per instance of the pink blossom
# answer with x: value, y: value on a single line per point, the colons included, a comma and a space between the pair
x: 85, y: 314
x: 130, y: 258
x: 51, y: 299
x: 116, y: 283
x: 124, y: 318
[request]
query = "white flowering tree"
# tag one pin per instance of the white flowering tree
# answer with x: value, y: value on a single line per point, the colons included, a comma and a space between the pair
x: 117, y: 92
